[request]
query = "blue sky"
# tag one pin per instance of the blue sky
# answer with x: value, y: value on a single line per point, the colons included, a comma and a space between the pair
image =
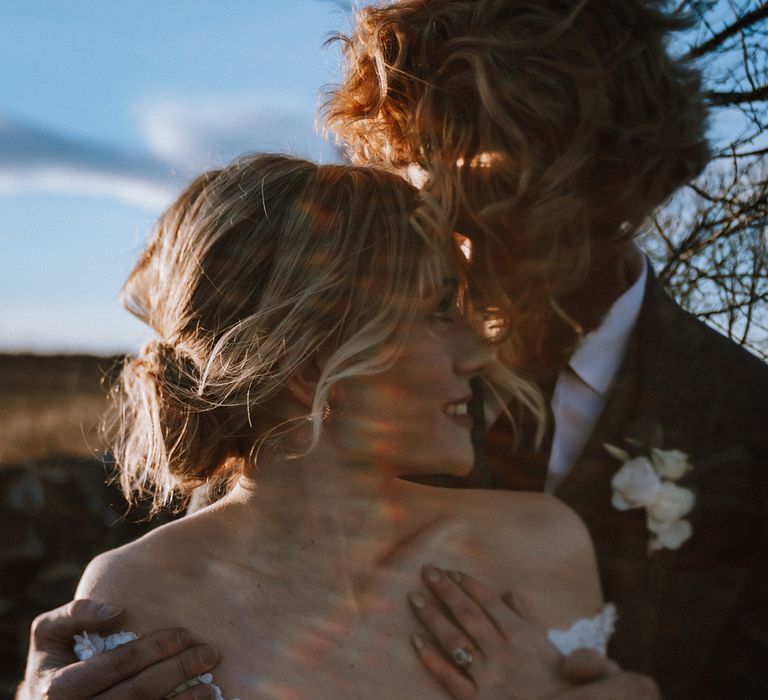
x: 106, y: 110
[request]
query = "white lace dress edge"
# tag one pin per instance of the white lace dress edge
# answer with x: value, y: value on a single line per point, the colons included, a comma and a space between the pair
x: 586, y: 633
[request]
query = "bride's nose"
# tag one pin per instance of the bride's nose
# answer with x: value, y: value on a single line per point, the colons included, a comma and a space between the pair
x: 473, y: 353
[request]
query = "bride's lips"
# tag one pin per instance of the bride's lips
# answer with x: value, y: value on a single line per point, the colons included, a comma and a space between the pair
x: 458, y: 408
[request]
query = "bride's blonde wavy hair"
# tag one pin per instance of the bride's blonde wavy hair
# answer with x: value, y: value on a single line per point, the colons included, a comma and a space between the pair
x: 254, y: 268
x: 548, y: 127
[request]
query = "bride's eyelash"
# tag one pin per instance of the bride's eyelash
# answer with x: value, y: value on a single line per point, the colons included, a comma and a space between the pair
x: 449, y: 298
x: 445, y: 303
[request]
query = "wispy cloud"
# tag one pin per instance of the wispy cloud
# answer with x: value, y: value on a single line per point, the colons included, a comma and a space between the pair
x: 343, y: 4
x: 182, y: 138
x: 197, y: 134
x: 36, y: 159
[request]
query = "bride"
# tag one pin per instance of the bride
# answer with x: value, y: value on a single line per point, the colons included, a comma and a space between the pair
x: 311, y: 350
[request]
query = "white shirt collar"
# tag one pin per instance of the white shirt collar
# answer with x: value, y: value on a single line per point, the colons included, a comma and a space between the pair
x: 597, y: 359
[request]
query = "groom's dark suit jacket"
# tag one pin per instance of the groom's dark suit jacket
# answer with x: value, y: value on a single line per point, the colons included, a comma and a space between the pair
x: 695, y: 619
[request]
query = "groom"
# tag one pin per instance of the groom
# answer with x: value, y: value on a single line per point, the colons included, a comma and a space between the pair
x: 552, y: 129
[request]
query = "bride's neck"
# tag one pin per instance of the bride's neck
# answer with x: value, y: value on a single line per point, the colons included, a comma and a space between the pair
x: 334, y: 504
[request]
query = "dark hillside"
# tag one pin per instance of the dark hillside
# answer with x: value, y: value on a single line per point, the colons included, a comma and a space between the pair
x: 56, y: 511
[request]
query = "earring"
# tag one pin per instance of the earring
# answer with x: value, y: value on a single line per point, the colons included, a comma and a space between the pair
x: 326, y: 412
x: 577, y: 328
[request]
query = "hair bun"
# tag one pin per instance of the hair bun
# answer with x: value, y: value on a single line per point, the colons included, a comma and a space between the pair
x: 157, y: 351
x: 175, y: 374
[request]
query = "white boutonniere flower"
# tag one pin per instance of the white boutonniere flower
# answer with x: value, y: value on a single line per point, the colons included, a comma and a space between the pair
x: 647, y: 482
x: 670, y: 464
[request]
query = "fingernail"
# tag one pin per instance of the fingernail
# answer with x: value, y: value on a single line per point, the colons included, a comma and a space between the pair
x: 417, y: 600
x: 456, y: 576
x: 432, y: 573
x: 208, y: 655
x: 106, y: 611
x: 417, y: 642
x: 185, y: 637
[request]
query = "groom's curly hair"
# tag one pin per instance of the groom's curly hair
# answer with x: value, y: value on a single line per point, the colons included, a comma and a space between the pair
x: 548, y: 127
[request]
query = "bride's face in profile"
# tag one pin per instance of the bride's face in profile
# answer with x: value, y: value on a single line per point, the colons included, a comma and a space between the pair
x: 413, y: 418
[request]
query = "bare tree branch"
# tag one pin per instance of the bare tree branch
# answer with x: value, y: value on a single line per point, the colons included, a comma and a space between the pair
x: 742, y: 154
x: 745, y: 21
x: 724, y: 99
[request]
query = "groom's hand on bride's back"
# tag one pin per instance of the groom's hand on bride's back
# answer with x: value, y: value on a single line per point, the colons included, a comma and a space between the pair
x: 145, y: 669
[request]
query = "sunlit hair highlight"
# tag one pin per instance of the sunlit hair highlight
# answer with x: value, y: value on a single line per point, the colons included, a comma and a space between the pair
x: 251, y: 271
x: 254, y: 269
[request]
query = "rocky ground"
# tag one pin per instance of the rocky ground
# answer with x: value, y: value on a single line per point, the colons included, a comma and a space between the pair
x: 56, y: 512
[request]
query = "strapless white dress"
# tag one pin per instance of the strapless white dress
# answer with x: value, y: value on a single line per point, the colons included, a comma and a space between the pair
x: 587, y: 633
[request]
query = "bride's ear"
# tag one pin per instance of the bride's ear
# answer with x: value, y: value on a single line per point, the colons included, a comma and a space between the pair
x: 302, y: 384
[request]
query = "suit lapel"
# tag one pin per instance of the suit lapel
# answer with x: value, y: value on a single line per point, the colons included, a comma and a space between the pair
x: 630, y: 578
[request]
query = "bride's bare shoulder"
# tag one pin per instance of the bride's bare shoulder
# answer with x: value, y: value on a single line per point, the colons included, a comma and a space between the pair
x: 142, y: 575
x: 536, y: 515
x: 542, y: 548
x: 515, y: 513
